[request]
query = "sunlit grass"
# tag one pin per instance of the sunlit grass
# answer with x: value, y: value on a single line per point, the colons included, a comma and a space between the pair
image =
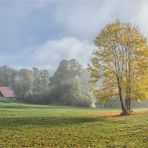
x: 37, y: 126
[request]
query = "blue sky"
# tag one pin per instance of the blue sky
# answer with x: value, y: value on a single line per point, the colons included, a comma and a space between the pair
x: 41, y: 33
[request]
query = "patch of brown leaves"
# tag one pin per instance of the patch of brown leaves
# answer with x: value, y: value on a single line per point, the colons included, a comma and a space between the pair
x: 117, y: 114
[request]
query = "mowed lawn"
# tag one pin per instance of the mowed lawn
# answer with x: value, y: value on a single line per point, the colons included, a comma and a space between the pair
x: 46, y: 126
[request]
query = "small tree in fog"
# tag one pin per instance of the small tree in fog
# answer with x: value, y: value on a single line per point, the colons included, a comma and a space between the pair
x: 64, y: 83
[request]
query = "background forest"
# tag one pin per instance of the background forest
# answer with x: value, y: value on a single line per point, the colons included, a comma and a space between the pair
x: 68, y: 85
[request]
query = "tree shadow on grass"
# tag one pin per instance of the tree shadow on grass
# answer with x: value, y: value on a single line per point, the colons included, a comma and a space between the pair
x: 47, y: 121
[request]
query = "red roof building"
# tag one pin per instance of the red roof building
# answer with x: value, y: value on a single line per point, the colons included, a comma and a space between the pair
x: 7, y: 92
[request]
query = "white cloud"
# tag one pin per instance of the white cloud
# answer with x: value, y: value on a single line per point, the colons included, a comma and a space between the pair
x: 76, y: 22
x: 84, y: 19
x: 53, y: 51
x: 141, y: 18
x: 49, y: 54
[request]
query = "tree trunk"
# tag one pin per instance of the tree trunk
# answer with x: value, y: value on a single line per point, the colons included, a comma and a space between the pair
x: 124, y: 111
x: 129, y: 105
x: 126, y: 103
x: 121, y: 100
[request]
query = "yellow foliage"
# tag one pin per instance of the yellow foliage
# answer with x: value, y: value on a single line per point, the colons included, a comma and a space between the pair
x: 121, y: 60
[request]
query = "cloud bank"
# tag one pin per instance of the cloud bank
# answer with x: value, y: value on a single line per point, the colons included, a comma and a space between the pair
x: 43, y: 33
x: 49, y: 54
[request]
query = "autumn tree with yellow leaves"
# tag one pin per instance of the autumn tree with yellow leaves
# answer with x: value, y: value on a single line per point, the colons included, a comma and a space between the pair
x: 120, y: 64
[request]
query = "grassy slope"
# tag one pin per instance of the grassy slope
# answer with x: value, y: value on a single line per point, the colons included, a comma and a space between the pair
x: 28, y: 126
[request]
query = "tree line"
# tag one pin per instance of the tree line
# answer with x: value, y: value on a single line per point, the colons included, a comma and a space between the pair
x: 67, y: 86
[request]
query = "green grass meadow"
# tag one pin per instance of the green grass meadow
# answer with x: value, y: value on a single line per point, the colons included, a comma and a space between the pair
x: 23, y: 125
